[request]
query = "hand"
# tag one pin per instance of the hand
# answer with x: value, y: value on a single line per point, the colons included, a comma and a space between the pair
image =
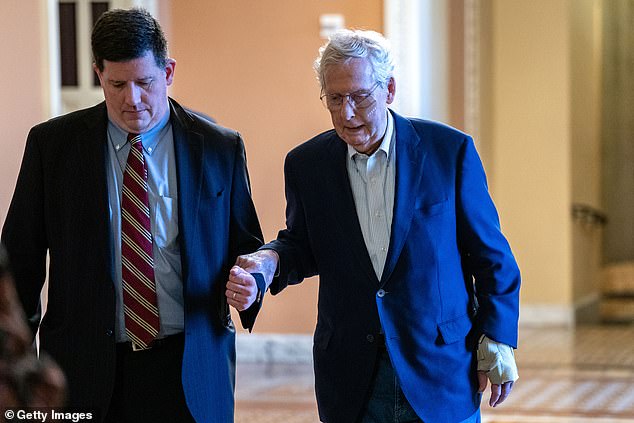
x: 242, y: 290
x: 496, y: 362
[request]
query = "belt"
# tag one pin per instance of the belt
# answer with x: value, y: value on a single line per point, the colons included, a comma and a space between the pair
x: 156, y: 344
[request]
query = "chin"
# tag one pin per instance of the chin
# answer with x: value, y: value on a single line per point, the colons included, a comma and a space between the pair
x: 137, y: 126
x: 360, y: 144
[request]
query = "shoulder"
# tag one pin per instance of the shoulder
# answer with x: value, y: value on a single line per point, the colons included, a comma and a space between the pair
x: 204, y: 125
x: 431, y: 129
x: 91, y: 116
x: 317, y: 146
x: 54, y: 135
x: 434, y: 136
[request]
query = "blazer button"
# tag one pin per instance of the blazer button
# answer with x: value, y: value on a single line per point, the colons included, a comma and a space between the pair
x: 370, y: 338
x: 381, y: 293
x: 109, y: 332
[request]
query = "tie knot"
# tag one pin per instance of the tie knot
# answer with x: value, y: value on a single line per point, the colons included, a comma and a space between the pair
x: 134, y: 138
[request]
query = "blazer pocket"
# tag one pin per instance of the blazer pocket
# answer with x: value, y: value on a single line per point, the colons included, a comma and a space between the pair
x: 455, y: 329
x: 212, y: 194
x: 430, y: 209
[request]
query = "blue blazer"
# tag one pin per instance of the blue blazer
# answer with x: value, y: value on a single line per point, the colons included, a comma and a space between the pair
x: 449, y: 274
x: 63, y: 209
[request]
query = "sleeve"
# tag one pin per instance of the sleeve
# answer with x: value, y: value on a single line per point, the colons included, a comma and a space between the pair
x: 486, y: 254
x: 24, y: 231
x: 292, y: 244
x: 245, y: 232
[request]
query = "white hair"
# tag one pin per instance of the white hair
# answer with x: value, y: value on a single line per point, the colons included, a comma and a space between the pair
x: 347, y: 44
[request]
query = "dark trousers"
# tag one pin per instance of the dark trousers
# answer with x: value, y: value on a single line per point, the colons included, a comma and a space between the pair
x: 386, y: 401
x: 148, y: 385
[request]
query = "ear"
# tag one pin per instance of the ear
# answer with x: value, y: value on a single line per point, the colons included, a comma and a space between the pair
x: 391, y: 90
x: 99, y: 74
x: 170, y: 66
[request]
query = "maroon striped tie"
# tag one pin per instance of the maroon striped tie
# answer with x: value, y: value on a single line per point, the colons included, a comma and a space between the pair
x: 137, y: 265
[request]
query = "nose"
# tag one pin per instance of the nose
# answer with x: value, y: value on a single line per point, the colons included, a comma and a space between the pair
x: 347, y: 110
x: 132, y: 94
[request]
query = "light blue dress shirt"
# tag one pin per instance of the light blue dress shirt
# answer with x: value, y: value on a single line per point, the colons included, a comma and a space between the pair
x: 158, y: 151
x: 372, y: 179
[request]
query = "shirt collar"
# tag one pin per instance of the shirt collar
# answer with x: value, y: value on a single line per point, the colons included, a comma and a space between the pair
x: 386, y: 143
x: 149, y: 139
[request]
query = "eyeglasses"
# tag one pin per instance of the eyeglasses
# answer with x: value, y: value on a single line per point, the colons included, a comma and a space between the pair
x: 359, y: 100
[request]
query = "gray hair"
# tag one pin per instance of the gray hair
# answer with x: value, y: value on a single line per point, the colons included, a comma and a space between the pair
x: 347, y: 44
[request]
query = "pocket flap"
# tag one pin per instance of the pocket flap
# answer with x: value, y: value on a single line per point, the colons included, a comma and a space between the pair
x: 432, y: 208
x: 455, y: 329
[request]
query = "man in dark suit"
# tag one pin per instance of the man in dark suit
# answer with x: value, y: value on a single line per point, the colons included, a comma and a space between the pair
x: 418, y: 290
x: 142, y: 208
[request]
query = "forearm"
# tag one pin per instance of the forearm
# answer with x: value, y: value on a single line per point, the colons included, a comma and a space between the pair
x: 486, y: 254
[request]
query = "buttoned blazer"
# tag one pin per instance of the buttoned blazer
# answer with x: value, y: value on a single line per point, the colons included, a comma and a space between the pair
x: 60, y: 206
x: 449, y: 273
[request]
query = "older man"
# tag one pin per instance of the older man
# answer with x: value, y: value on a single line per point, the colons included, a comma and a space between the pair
x: 394, y: 216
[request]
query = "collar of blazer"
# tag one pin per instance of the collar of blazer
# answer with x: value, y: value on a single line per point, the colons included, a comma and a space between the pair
x: 410, y: 160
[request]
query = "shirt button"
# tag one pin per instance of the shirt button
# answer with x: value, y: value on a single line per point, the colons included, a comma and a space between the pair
x: 383, y: 249
x: 109, y: 332
x: 381, y: 293
x: 149, y: 149
x: 370, y: 338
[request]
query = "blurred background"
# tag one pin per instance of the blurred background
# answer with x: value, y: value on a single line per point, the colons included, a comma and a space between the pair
x: 544, y: 86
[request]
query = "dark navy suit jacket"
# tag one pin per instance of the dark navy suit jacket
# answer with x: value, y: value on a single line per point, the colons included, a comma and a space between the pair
x: 445, y: 235
x: 60, y: 206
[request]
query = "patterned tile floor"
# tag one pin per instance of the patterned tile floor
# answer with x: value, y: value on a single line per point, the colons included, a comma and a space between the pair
x: 566, y: 376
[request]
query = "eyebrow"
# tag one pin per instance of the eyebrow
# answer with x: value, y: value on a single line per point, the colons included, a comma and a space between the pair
x: 361, y: 90
x: 118, y: 81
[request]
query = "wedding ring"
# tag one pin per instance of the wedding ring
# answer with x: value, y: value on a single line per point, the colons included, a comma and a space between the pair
x: 234, y: 295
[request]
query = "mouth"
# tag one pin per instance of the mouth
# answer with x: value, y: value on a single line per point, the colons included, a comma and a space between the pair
x: 354, y: 128
x: 134, y: 113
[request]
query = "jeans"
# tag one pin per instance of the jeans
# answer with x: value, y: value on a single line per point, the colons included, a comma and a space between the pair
x: 387, y: 403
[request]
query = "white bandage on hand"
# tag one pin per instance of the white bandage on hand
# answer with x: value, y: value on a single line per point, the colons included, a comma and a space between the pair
x: 497, y: 360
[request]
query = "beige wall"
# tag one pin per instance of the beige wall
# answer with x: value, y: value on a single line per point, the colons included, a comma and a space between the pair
x: 21, y: 89
x: 530, y: 152
x: 585, y: 101
x: 249, y: 65
x: 543, y: 149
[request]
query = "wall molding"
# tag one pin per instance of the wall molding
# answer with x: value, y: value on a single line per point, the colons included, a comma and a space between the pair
x: 544, y: 315
x: 277, y: 348
x: 272, y: 348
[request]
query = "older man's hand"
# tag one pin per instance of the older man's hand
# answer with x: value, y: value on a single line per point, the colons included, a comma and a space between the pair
x: 496, y: 362
x: 242, y: 290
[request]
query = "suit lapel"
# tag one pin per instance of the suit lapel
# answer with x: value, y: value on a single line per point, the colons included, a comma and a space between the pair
x: 410, y: 159
x: 92, y: 142
x: 90, y: 146
x: 189, y: 154
x: 344, y: 208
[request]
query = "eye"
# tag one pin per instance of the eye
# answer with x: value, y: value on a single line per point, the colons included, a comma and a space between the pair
x: 359, y: 97
x: 146, y: 83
